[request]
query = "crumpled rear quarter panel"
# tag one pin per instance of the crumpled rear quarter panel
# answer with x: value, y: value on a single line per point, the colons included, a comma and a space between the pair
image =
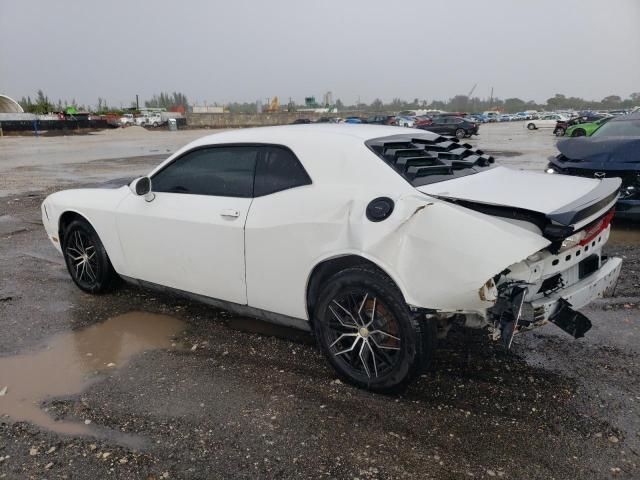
x: 442, y: 254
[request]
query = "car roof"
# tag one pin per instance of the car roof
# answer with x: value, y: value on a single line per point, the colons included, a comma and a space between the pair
x: 628, y: 116
x: 292, y: 134
x: 324, y: 149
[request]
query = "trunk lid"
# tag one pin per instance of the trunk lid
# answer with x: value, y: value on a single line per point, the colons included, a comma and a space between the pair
x: 542, y: 197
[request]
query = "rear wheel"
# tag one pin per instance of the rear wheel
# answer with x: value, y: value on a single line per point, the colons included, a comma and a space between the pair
x: 531, y: 126
x: 579, y: 132
x: 460, y: 133
x: 368, y: 333
x: 86, y: 258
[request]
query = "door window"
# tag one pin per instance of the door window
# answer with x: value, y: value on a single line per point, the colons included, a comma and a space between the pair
x: 278, y: 169
x: 219, y: 171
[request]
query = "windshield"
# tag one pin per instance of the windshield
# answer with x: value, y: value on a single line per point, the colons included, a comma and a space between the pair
x: 619, y: 128
x: 424, y: 158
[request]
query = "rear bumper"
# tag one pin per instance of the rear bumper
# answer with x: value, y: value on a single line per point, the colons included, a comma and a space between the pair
x: 600, y: 283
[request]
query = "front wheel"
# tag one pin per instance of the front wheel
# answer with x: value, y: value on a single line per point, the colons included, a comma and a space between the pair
x: 531, y: 126
x: 86, y: 258
x: 559, y: 132
x: 460, y: 133
x: 579, y: 132
x: 367, y: 332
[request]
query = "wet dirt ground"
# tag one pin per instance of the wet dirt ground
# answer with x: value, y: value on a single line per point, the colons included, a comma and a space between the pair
x: 135, y: 384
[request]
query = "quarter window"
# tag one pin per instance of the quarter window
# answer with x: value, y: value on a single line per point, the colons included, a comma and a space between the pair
x: 220, y: 171
x: 278, y: 169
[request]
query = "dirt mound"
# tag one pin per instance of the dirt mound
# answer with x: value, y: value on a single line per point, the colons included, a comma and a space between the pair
x: 131, y: 131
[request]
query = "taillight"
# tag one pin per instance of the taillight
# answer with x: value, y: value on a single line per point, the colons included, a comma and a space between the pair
x: 594, y: 229
x: 588, y: 233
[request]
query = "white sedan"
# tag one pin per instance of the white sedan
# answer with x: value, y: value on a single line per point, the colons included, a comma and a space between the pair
x: 545, y: 121
x: 377, y: 239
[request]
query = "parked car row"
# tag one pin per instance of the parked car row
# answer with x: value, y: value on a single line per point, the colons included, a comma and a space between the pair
x: 581, y: 126
x: 611, y: 150
x: 571, y: 123
x: 455, y: 125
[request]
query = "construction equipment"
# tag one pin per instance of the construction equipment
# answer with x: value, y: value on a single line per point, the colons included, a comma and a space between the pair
x: 273, y: 107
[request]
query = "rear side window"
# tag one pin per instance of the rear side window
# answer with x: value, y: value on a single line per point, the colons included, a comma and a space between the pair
x: 219, y: 171
x: 278, y: 169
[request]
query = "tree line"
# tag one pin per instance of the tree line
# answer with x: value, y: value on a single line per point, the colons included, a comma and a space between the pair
x: 41, y: 104
x: 464, y: 103
x: 459, y: 103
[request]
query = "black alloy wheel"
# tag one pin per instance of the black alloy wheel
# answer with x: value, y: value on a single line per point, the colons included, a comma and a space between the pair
x: 368, y: 333
x: 86, y: 258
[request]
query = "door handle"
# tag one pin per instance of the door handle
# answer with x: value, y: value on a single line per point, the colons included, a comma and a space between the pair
x: 230, y: 213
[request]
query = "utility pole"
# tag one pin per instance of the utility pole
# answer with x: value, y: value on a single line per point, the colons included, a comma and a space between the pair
x: 137, y: 103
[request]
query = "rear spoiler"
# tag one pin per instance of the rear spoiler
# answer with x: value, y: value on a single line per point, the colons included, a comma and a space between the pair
x: 588, y: 205
x: 560, y: 223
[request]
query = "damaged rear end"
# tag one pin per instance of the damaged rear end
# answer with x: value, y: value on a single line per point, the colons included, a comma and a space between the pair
x: 552, y: 284
x: 560, y: 273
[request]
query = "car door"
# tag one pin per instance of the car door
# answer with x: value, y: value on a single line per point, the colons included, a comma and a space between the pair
x: 190, y: 236
x: 455, y: 124
x: 548, y: 122
x: 438, y: 125
x: 279, y: 234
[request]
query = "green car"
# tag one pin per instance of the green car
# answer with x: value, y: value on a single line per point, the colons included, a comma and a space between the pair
x: 585, y: 129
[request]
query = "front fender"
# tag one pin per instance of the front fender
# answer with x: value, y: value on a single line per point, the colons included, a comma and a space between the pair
x: 97, y: 206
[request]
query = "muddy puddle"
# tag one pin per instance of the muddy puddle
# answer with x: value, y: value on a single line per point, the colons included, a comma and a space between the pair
x: 625, y: 234
x: 68, y: 363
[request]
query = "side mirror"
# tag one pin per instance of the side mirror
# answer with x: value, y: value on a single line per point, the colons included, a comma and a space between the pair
x: 142, y: 187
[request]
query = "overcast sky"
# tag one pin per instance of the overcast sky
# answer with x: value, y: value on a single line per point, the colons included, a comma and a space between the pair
x: 240, y: 50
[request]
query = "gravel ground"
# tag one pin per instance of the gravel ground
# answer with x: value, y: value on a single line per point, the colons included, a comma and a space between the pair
x: 242, y: 399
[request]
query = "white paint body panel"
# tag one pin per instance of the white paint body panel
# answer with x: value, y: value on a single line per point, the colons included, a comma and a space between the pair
x: 184, y: 242
x: 439, y: 254
x: 547, y: 121
x: 543, y: 123
x: 535, y: 191
x: 98, y: 206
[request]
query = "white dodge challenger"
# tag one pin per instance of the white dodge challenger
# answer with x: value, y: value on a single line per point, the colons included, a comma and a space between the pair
x: 377, y: 239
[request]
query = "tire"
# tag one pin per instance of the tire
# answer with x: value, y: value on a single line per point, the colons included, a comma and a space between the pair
x: 383, y: 356
x: 579, y: 132
x: 559, y: 132
x: 155, y: 124
x: 86, y: 259
x: 531, y: 126
x: 460, y: 133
